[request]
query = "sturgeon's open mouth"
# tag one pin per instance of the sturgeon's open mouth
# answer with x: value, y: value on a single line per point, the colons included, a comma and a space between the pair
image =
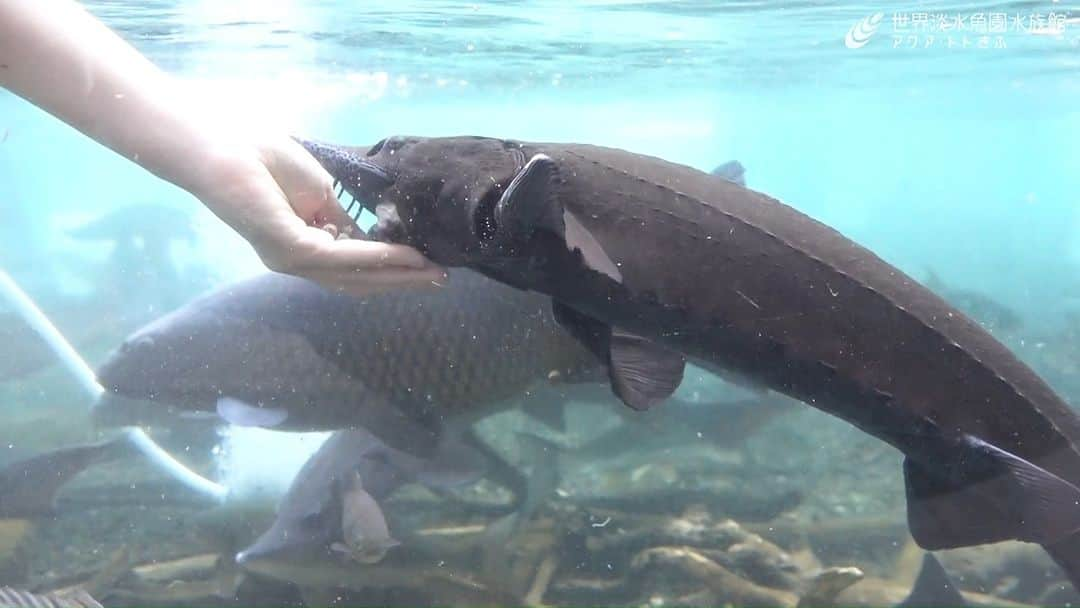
x: 353, y: 174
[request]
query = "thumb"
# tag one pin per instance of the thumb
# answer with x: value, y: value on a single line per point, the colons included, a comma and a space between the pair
x: 306, y: 185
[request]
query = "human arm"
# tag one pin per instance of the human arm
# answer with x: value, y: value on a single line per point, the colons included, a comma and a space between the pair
x: 267, y: 187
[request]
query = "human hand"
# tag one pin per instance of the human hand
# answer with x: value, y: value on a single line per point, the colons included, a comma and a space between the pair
x: 270, y: 190
x: 280, y: 204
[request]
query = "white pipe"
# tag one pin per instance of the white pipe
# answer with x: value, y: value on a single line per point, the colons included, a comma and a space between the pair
x: 174, y: 467
x: 37, y: 320
x: 82, y: 373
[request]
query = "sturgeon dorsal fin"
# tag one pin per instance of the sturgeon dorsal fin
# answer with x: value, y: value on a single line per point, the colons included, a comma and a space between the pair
x: 643, y: 373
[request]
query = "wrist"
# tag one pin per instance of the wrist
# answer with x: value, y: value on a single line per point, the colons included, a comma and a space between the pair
x: 231, y: 184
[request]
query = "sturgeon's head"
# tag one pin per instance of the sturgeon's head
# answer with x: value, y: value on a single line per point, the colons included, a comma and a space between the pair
x: 447, y: 197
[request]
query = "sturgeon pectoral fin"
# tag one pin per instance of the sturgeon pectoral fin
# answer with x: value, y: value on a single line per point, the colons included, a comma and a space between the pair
x: 1003, y: 497
x: 643, y: 373
x: 527, y: 203
x: 240, y: 413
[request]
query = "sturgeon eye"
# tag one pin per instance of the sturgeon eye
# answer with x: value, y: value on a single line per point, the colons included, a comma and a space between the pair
x: 373, y: 150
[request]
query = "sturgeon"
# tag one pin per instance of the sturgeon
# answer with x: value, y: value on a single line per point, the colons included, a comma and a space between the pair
x: 650, y: 262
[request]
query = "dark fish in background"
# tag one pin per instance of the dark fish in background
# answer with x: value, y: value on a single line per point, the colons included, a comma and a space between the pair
x: 932, y: 588
x: 982, y: 308
x: 141, y: 274
x: 650, y: 263
x: 733, y: 171
x: 332, y: 514
x: 141, y: 235
x: 84, y: 322
x: 147, y: 221
x: 28, y: 487
x: 28, y: 490
x: 22, y: 351
x: 322, y: 509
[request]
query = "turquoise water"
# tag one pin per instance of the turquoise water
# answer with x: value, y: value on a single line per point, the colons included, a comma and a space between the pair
x: 962, y: 160
x: 957, y: 160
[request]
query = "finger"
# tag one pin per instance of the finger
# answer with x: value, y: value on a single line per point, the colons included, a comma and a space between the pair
x: 349, y: 255
x: 306, y: 184
x: 331, y: 212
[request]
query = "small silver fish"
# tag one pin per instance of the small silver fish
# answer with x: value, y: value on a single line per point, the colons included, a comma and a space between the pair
x: 17, y: 598
x: 365, y: 534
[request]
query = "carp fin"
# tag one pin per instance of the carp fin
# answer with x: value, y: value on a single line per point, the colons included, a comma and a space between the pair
x: 933, y: 588
x: 1003, y: 497
x: 529, y: 202
x: 733, y: 171
x: 240, y: 413
x: 643, y: 373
